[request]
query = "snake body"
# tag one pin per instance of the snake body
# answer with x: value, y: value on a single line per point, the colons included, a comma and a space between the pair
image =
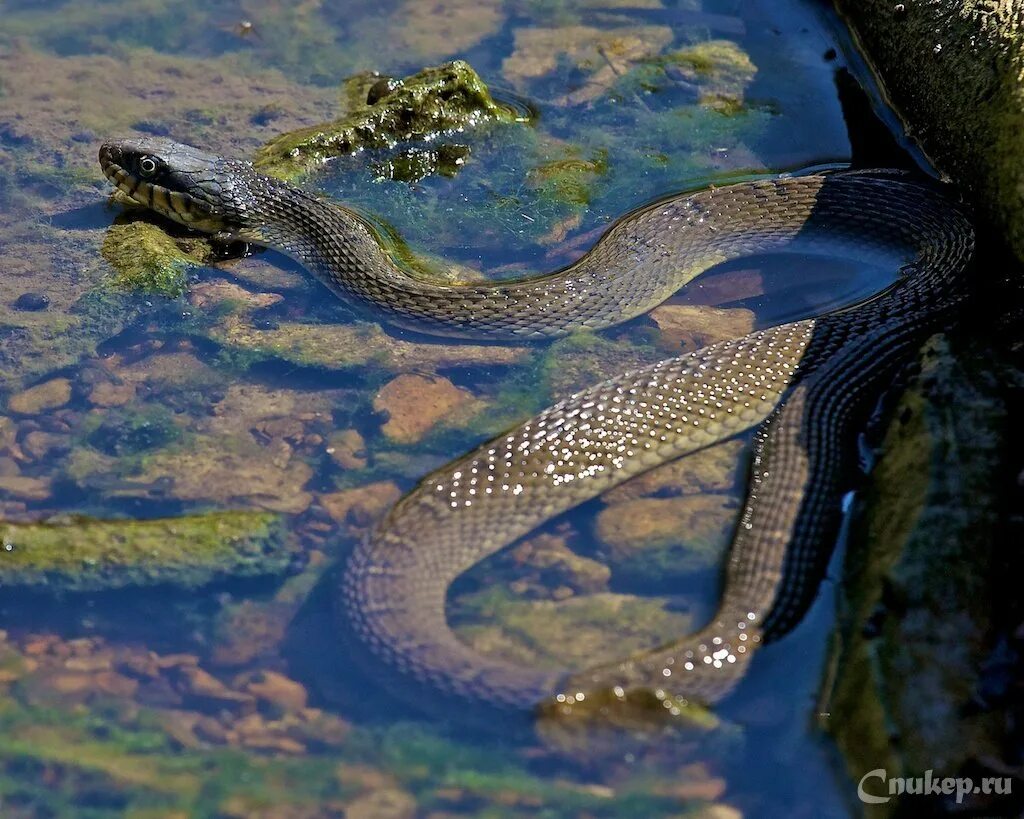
x: 803, y: 385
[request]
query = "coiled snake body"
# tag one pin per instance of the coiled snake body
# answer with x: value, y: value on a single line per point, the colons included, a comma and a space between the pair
x: 802, y: 385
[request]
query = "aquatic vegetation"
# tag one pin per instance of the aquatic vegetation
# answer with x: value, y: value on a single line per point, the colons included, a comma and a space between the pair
x: 97, y: 554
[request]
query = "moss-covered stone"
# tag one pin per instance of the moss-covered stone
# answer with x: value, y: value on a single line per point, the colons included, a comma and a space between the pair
x: 917, y: 622
x: 344, y: 346
x: 572, y: 632
x: 96, y: 554
x: 655, y: 538
x: 146, y: 260
x: 953, y: 69
x: 433, y: 101
x: 584, y: 359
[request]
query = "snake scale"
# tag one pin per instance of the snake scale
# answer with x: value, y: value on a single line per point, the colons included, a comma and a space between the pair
x: 803, y: 385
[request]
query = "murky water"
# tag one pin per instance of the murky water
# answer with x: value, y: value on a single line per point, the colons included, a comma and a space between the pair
x: 178, y: 475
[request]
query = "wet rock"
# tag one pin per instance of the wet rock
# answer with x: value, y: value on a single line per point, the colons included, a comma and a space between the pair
x: 31, y: 302
x: 715, y: 469
x: 347, y: 449
x: 924, y: 565
x: 389, y: 803
x: 146, y: 260
x: 38, y: 444
x: 415, y: 404
x: 220, y: 291
x: 349, y: 346
x: 93, y: 554
x: 683, y: 328
x: 433, y: 101
x: 201, y: 686
x: 359, y: 508
x: 14, y: 665
x: 952, y: 68
x: 604, y: 54
x: 688, y: 533
x: 268, y: 477
x: 50, y: 394
x: 20, y: 486
x: 429, y: 31
x: 559, y: 564
x: 109, y: 394
x: 585, y: 359
x: 80, y: 684
x: 180, y: 726
x: 275, y: 689
x: 581, y: 631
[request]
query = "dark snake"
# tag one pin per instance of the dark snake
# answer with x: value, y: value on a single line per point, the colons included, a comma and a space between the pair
x: 804, y: 386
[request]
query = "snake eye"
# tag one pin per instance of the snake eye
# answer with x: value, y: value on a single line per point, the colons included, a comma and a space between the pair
x: 147, y: 166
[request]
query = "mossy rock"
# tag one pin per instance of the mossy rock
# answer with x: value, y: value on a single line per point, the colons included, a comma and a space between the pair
x: 437, y: 100
x: 952, y: 68
x: 146, y: 260
x: 83, y: 555
x: 916, y: 628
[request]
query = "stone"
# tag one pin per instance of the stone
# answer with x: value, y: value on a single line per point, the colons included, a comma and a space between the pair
x: 31, y: 302
x: 359, y: 508
x: 38, y: 444
x: 218, y: 291
x: 386, y: 803
x: 683, y: 328
x: 50, y: 394
x: 347, y: 449
x: 695, y: 529
x: 275, y: 689
x: 415, y: 404
x: 33, y: 489
x: 108, y: 394
x: 198, y: 684
x: 551, y: 555
x: 952, y: 68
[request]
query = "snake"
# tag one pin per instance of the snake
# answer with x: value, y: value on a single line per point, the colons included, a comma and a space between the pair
x: 804, y: 387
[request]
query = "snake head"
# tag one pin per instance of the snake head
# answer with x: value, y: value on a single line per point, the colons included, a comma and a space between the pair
x: 194, y: 188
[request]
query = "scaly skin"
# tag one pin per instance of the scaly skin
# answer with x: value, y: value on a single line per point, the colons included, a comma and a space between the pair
x: 803, y: 385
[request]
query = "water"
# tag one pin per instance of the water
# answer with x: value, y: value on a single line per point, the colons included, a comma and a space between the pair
x: 217, y: 687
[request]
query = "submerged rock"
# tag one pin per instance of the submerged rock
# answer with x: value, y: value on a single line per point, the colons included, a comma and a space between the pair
x: 345, y: 346
x: 189, y: 551
x: 659, y: 537
x: 413, y: 405
x: 437, y: 100
x: 50, y: 394
x: 683, y: 328
x: 347, y: 449
x: 580, y: 631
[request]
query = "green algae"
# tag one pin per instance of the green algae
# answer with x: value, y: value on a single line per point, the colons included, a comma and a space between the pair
x: 87, y: 554
x: 438, y: 100
x: 118, y: 762
x: 570, y: 180
x: 146, y: 260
